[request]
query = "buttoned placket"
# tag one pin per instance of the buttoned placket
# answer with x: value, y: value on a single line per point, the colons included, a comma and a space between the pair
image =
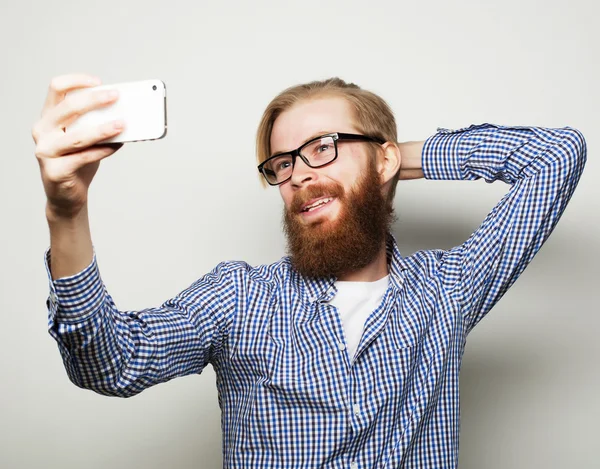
x: 333, y: 325
x: 336, y: 337
x: 373, y: 327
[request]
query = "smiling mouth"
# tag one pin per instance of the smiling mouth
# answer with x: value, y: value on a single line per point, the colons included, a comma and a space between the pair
x: 316, y: 204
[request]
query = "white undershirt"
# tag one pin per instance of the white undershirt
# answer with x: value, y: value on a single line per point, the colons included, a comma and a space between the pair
x: 355, y: 301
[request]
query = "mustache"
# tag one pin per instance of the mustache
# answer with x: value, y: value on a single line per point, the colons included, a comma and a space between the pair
x: 315, y: 191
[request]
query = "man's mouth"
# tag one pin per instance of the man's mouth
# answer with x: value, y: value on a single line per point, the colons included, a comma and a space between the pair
x: 315, y: 204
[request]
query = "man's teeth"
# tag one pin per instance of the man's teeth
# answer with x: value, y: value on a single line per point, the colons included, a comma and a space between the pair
x: 317, y: 204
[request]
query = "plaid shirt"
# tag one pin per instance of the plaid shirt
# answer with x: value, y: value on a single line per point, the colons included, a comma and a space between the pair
x: 289, y: 393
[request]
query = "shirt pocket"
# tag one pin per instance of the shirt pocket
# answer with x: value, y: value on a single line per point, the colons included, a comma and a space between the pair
x: 393, y: 360
x: 401, y: 355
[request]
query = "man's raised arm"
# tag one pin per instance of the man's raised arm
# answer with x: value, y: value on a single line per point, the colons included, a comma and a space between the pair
x: 543, y: 165
x: 110, y: 351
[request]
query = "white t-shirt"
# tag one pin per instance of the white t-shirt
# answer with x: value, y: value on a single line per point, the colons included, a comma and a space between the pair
x: 355, y: 301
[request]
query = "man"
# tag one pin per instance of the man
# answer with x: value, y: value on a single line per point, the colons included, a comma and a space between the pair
x: 345, y: 354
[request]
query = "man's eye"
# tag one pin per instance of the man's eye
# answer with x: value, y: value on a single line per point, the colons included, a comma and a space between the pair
x: 323, y: 148
x: 283, y: 165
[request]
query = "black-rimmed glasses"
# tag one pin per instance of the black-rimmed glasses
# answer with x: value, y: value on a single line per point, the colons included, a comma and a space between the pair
x: 315, y: 153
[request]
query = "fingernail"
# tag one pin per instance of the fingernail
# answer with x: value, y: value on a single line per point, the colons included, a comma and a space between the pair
x: 112, y: 94
x: 95, y: 81
x: 118, y: 124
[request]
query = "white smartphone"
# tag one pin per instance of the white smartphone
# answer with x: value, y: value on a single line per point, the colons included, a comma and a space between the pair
x: 141, y: 104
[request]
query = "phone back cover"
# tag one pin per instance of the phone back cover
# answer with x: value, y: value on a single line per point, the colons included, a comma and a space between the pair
x: 142, y: 107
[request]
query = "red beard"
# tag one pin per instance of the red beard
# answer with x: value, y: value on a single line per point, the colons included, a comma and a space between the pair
x: 347, y: 244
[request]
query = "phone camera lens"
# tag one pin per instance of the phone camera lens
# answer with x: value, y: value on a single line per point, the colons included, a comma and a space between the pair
x: 154, y: 87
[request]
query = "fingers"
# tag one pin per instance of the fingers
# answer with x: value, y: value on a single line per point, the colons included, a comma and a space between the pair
x: 61, y: 85
x: 68, y: 161
x: 97, y: 153
x: 71, y: 142
x: 71, y: 164
x: 57, y: 91
x: 74, y: 105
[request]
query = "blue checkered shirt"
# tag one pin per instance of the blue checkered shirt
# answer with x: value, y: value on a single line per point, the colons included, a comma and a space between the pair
x: 290, y: 395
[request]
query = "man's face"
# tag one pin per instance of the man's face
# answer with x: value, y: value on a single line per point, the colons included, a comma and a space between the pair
x: 299, y: 124
x: 346, y: 231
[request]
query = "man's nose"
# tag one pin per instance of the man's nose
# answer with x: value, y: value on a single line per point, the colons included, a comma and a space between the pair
x: 302, y: 173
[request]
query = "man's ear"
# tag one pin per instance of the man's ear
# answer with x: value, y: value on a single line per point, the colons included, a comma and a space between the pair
x: 388, y: 162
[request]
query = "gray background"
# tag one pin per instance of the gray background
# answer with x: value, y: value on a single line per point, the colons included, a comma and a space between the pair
x: 164, y: 213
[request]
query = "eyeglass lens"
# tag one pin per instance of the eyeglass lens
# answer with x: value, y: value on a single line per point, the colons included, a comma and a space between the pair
x: 318, y: 153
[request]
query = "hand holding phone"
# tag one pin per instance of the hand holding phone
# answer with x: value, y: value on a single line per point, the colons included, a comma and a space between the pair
x: 76, y: 120
x: 141, y: 105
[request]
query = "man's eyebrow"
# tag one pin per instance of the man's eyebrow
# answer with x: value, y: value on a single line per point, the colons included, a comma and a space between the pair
x: 315, y: 135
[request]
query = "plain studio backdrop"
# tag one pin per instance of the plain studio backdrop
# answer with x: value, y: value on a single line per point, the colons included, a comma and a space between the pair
x: 164, y: 213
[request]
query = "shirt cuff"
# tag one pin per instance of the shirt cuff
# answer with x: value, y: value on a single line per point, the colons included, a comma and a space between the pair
x: 75, y: 298
x: 444, y: 154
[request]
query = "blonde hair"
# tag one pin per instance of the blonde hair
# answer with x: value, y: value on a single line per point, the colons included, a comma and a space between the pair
x: 372, y: 115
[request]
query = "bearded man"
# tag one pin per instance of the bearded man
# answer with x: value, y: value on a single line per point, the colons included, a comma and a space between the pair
x: 344, y: 354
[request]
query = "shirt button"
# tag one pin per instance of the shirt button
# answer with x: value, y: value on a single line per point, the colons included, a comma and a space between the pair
x: 341, y: 346
x: 356, y: 409
x: 353, y: 465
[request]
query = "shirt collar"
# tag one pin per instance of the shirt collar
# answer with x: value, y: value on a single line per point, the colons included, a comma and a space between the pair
x: 396, y: 263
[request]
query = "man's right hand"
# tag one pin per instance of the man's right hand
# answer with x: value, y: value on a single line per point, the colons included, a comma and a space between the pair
x: 69, y: 161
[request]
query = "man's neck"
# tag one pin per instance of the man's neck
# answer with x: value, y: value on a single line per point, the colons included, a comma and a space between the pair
x: 372, y: 272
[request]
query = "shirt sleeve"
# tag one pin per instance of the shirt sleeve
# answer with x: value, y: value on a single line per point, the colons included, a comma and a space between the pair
x: 543, y: 166
x: 121, y: 353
